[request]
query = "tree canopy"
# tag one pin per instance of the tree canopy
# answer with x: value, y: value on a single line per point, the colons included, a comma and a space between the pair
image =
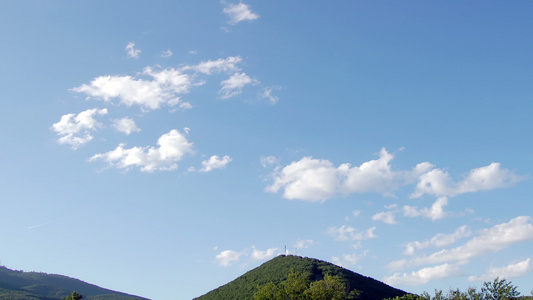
x: 297, y: 287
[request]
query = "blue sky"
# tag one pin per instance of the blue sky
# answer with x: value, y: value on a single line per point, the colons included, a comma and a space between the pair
x: 164, y: 148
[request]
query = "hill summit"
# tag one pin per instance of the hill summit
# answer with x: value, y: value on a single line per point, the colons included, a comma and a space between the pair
x: 277, y: 269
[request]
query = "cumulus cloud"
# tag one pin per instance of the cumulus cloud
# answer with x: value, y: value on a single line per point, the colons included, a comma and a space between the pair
x: 486, y: 241
x: 233, y: 86
x: 435, y: 212
x: 348, y: 233
x: 318, y: 180
x: 516, y: 270
x: 424, y: 275
x: 126, y: 126
x: 439, y: 183
x: 239, y: 12
x: 262, y: 255
x: 228, y: 257
x: 74, y: 130
x: 172, y: 146
x: 153, y: 89
x: 215, y: 162
x: 132, y: 52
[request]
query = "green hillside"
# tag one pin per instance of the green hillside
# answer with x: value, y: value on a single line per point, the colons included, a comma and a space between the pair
x: 19, y: 285
x: 276, y: 270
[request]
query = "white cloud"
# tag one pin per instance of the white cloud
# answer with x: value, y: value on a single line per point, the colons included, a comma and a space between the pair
x: 233, y: 86
x: 303, y: 244
x: 348, y: 233
x: 267, y: 94
x: 438, y: 182
x: 435, y: 212
x: 74, y: 130
x: 166, y: 53
x: 160, y: 87
x: 517, y: 270
x: 262, y: 255
x: 239, y: 12
x: 227, y: 65
x: 268, y: 161
x: 132, y: 52
x: 215, y: 162
x: 126, y: 126
x: 424, y: 275
x: 227, y: 257
x: 486, y: 241
x: 387, y: 217
x: 356, y: 213
x: 318, y: 180
x: 439, y: 240
x: 172, y: 147
x: 346, y: 259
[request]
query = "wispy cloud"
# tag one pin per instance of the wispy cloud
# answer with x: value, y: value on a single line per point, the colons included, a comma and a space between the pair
x: 348, y: 233
x: 516, y: 270
x: 166, y: 53
x: 233, y: 86
x: 424, y: 275
x: 239, y: 12
x: 75, y: 130
x: 440, y: 240
x: 132, y: 52
x: 228, y: 257
x: 228, y: 65
x: 486, y: 241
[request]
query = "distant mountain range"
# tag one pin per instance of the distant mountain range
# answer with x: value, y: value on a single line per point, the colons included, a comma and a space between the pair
x: 276, y: 270
x: 19, y: 285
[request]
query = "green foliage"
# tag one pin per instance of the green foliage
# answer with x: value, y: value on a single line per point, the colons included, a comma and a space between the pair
x: 297, y: 287
x: 499, y: 289
x: 277, y: 270
x: 15, y: 285
x: 74, y: 296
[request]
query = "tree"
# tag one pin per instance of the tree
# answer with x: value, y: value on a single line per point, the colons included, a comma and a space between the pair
x: 499, y: 289
x: 74, y: 296
x: 297, y: 287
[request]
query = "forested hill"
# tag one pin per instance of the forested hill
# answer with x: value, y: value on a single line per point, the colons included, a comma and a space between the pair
x: 277, y: 269
x: 19, y: 285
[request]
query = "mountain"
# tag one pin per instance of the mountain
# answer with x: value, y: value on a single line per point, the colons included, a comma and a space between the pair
x: 276, y: 270
x: 19, y: 285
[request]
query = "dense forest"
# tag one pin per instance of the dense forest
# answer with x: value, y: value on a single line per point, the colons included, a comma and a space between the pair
x: 19, y: 285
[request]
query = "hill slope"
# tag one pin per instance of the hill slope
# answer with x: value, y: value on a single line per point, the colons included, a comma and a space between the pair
x: 276, y: 270
x: 16, y: 285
